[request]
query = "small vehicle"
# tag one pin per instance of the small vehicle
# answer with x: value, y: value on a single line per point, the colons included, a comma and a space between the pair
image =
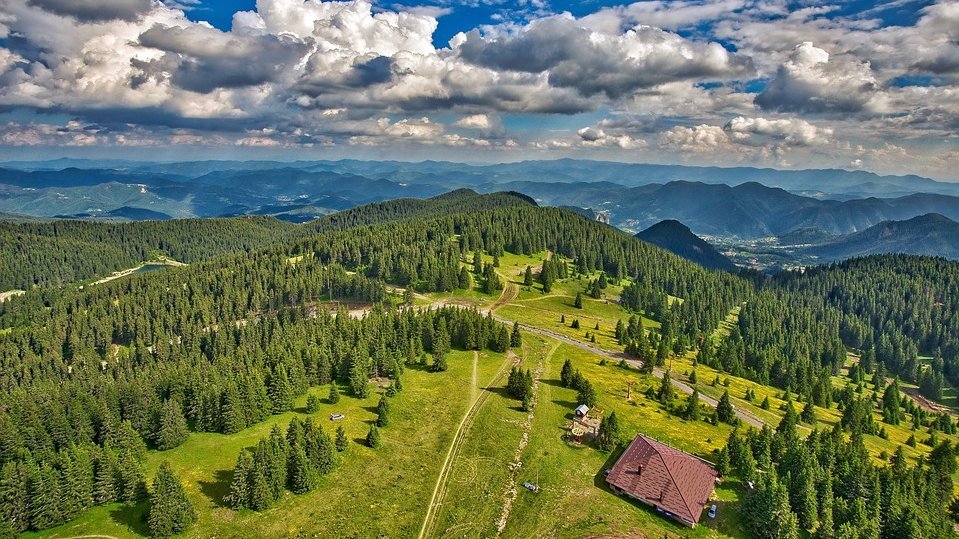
x: 336, y: 417
x: 531, y: 487
x: 712, y: 511
x: 606, y: 471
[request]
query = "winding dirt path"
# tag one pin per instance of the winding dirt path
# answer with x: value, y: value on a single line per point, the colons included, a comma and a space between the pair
x: 635, y: 363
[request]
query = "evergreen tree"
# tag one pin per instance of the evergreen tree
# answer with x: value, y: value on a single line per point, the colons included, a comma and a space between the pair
x: 566, y: 374
x: 578, y: 302
x: 261, y: 496
x: 373, y: 438
x: 240, y: 488
x: 312, y: 404
x: 342, y: 442
x: 171, y: 511
x: 359, y: 380
x: 334, y: 396
x: 515, y: 338
x: 281, y: 391
x: 609, y: 432
x: 808, y: 414
x: 691, y: 412
x: 172, y: 429
x: 724, y: 409
x: 666, y: 392
x: 891, y: 403
x: 723, y: 465
x: 528, y: 276
x: 383, y: 412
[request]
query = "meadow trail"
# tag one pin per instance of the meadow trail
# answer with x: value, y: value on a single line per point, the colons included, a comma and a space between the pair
x: 442, y: 480
x: 635, y: 363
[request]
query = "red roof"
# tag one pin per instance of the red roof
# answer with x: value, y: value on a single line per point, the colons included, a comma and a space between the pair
x: 667, y: 478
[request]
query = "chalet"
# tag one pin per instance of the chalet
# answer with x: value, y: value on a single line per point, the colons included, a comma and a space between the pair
x: 677, y: 484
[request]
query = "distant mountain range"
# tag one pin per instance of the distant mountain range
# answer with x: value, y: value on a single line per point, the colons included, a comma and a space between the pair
x: 796, y: 208
x: 677, y: 238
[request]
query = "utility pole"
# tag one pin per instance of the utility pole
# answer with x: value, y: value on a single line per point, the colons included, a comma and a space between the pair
x: 629, y: 389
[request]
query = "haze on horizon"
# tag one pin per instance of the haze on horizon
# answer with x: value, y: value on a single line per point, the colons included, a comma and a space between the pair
x: 862, y: 85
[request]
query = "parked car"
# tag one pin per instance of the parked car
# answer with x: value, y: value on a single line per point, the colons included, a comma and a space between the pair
x: 712, y: 511
x: 336, y: 417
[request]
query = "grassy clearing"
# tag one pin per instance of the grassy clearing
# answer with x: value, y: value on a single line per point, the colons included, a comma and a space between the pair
x: 573, y: 500
x: 370, y: 494
x: 480, y: 472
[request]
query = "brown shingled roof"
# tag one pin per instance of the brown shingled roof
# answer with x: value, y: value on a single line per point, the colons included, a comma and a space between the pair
x: 667, y: 478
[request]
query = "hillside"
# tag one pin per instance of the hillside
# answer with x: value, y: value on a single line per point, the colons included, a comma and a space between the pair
x: 451, y: 338
x: 677, y: 238
x: 930, y: 235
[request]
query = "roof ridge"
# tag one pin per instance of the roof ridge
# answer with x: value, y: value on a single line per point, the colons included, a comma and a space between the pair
x: 673, y: 479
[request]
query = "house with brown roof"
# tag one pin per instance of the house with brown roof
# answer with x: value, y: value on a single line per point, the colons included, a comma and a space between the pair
x: 677, y: 484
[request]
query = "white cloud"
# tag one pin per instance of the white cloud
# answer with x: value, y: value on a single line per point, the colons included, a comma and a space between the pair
x: 811, y: 81
x: 789, y: 130
x: 700, y: 138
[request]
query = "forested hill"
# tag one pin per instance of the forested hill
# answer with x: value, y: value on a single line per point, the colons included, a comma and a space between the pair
x: 677, y: 238
x: 54, y: 253
x: 456, y: 201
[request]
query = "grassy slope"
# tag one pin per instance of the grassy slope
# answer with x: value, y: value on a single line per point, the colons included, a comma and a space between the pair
x: 371, y: 493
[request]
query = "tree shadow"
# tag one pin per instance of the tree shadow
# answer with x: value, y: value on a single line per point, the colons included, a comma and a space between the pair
x: 569, y: 405
x: 422, y: 367
x: 551, y: 382
x: 218, y: 489
x: 133, y: 517
x: 501, y: 391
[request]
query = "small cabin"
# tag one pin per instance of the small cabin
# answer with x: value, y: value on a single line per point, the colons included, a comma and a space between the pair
x: 581, y: 411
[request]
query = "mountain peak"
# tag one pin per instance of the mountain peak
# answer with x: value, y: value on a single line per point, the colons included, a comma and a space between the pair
x: 677, y: 238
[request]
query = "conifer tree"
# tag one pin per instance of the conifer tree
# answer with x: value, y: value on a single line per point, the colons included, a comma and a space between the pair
x: 261, y: 496
x: 359, y: 380
x: 171, y: 511
x: 578, y: 302
x: 566, y: 375
x: 373, y: 438
x: 342, y: 442
x: 723, y: 465
x: 312, y: 404
x: 691, y: 413
x: 724, y: 409
x: 609, y: 432
x: 172, y: 429
x: 515, y: 338
x: 666, y: 392
x: 334, y: 396
x: 383, y: 412
x: 240, y: 488
x: 281, y: 391
x: 528, y: 276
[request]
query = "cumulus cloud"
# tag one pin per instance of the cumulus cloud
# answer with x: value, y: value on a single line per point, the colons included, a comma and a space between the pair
x: 789, y: 130
x: 811, y: 81
x: 700, y: 138
x: 595, y: 137
x: 596, y: 62
x: 314, y: 72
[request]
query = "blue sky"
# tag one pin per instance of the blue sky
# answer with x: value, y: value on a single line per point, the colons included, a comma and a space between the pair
x: 870, y: 85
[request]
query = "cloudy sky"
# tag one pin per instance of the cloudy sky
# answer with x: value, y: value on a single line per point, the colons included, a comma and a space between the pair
x: 851, y: 84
